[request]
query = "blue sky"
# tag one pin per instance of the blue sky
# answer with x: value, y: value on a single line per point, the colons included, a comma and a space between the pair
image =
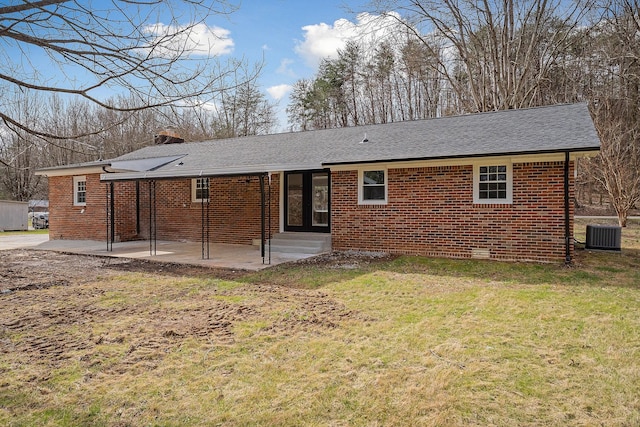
x: 291, y: 35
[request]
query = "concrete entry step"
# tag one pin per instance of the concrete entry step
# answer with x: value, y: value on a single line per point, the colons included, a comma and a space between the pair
x: 300, y: 243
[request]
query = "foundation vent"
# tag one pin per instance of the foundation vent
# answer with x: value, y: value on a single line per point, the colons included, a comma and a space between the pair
x: 480, y: 253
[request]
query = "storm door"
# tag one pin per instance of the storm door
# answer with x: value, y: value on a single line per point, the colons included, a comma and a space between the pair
x: 307, y: 201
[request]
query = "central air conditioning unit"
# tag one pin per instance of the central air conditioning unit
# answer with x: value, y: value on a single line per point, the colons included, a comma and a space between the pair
x: 603, y: 237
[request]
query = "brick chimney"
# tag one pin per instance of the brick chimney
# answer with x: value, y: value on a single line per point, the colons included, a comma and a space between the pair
x: 167, y: 136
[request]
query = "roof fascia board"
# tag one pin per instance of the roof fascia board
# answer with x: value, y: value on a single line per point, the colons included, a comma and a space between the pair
x: 458, y: 158
x: 80, y: 170
x: 522, y: 158
x: 583, y: 154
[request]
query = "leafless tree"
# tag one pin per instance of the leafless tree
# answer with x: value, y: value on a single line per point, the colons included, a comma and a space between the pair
x: 20, y: 153
x: 85, y: 51
x: 618, y: 165
x: 616, y: 102
x: 498, y: 54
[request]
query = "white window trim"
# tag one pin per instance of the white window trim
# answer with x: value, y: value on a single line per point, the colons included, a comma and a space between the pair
x: 193, y: 190
x: 361, y: 172
x: 76, y: 180
x: 476, y: 183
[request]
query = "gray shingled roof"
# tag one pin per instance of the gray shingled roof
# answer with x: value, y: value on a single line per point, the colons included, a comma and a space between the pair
x: 549, y: 129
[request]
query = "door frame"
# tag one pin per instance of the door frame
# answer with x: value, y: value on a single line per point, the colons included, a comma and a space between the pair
x: 307, y: 197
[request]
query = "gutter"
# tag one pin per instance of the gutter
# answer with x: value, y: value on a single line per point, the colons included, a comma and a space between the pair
x: 587, y: 150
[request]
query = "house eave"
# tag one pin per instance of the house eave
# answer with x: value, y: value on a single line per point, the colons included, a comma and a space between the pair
x: 72, y: 170
x: 522, y: 157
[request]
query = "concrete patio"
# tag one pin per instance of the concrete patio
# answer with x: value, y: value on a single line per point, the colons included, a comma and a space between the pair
x: 237, y: 257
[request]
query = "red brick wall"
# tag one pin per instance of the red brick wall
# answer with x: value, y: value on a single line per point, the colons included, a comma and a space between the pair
x: 234, y: 211
x: 430, y: 212
x: 70, y: 222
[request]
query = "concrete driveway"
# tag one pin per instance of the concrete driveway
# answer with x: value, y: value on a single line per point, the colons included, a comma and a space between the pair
x: 18, y: 240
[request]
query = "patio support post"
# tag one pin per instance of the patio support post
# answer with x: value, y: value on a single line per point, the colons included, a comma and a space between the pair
x: 137, y: 206
x: 262, y: 217
x: 112, y: 209
x: 207, y: 218
x: 152, y: 218
x: 204, y: 221
x: 107, y: 219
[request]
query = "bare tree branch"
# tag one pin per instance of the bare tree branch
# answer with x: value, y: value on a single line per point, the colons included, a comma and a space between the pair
x: 122, y: 46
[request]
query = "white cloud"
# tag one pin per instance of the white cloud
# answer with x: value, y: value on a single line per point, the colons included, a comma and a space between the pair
x: 285, y: 68
x: 280, y: 91
x: 198, y: 39
x: 323, y: 40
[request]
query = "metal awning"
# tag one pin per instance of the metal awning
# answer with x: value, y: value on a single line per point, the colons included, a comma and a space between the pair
x: 142, y: 165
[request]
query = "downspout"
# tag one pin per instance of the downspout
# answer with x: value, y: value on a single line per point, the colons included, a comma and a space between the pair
x: 567, y: 219
x: 153, y: 230
x: 269, y: 233
x: 137, y: 207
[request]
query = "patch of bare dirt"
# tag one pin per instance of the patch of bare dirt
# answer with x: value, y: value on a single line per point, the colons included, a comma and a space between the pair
x: 58, y: 307
x: 30, y: 269
x: 347, y: 259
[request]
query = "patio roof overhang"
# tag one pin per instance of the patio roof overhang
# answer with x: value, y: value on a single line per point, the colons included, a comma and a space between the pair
x: 177, y: 172
x: 141, y: 165
x: 153, y: 169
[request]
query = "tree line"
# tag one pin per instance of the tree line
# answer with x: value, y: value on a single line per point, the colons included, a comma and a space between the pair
x: 108, y: 133
x: 58, y: 59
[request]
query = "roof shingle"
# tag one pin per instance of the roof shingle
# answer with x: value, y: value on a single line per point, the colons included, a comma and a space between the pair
x: 551, y: 129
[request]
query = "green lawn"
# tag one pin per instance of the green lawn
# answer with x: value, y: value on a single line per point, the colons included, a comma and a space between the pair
x: 404, y: 341
x: 42, y: 231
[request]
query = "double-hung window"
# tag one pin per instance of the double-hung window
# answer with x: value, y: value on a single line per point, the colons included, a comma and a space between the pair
x: 200, y: 190
x: 372, y: 187
x: 493, y: 184
x: 79, y: 190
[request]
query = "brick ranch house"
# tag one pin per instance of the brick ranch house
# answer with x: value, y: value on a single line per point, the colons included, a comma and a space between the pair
x: 497, y: 185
